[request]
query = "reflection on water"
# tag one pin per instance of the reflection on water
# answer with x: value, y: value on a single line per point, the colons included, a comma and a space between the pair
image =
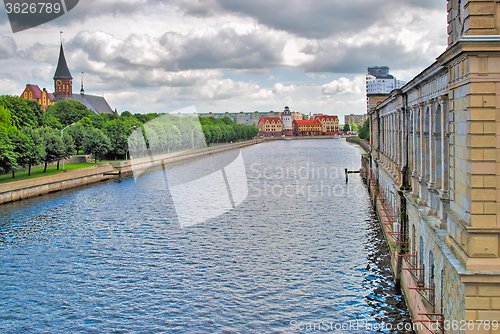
x: 302, y: 250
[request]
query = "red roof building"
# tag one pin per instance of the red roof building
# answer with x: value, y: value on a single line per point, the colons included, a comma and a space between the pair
x: 329, y: 123
x: 270, y: 127
x: 310, y: 127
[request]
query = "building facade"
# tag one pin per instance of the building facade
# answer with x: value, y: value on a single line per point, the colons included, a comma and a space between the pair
x: 306, y: 127
x: 329, y: 124
x: 434, y: 174
x: 42, y: 97
x: 355, y: 119
x: 249, y: 118
x: 270, y: 127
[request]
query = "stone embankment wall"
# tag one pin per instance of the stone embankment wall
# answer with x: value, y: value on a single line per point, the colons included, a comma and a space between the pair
x: 364, y: 145
x: 18, y: 190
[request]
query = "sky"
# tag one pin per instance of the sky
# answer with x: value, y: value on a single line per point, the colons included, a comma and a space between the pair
x: 227, y: 55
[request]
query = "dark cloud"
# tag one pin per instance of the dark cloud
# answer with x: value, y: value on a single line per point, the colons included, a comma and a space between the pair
x: 216, y: 48
x: 320, y: 18
x: 224, y: 48
x: 344, y: 58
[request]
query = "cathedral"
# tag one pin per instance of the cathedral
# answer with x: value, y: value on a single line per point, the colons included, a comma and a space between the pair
x: 63, y: 85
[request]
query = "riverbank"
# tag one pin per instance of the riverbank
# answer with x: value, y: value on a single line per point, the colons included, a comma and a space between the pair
x: 355, y: 140
x: 19, y: 190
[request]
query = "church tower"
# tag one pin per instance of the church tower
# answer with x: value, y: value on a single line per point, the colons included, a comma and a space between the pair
x: 287, y: 122
x: 63, y: 82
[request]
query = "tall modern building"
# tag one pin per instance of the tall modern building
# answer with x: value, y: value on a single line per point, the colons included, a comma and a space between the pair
x: 379, y: 84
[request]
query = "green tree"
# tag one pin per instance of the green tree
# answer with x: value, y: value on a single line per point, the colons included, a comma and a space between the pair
x: 36, y: 149
x: 117, y: 132
x: 364, y: 131
x: 21, y: 143
x: 346, y: 128
x: 23, y: 112
x: 98, y: 121
x: 77, y: 132
x: 354, y: 127
x: 68, y: 112
x: 7, y: 155
x: 69, y: 147
x: 96, y: 142
x: 53, y: 144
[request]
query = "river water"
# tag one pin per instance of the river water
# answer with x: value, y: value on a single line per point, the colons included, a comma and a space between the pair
x: 302, y: 254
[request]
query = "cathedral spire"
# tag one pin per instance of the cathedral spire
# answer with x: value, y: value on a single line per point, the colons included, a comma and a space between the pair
x: 62, y: 71
x: 63, y: 82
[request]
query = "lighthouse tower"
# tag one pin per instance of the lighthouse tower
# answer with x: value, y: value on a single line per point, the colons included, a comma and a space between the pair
x: 287, y: 122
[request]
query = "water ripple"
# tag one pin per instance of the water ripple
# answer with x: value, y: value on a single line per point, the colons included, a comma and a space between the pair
x: 111, y: 258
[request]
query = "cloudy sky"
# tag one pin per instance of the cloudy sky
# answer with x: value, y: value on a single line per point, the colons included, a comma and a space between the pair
x: 227, y: 55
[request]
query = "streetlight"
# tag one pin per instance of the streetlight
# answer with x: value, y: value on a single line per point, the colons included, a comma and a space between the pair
x: 168, y: 147
x: 63, y: 139
x: 192, y: 135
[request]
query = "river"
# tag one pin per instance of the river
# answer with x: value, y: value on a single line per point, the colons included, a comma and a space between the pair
x: 301, y: 254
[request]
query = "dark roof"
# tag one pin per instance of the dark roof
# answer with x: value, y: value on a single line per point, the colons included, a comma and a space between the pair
x: 62, y: 70
x: 97, y: 104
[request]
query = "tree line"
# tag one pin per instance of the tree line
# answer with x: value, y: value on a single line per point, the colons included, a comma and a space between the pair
x: 30, y: 137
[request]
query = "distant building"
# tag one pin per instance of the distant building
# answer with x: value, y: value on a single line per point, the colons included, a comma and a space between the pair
x: 380, y: 83
x: 42, y: 97
x: 355, y: 119
x: 270, y: 127
x: 287, y: 122
x: 63, y: 84
x: 310, y: 127
x: 249, y: 117
x: 329, y: 124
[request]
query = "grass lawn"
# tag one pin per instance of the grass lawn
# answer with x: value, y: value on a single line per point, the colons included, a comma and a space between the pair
x: 39, y: 172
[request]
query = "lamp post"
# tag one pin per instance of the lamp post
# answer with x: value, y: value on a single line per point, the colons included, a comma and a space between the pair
x: 63, y: 138
x: 192, y: 135
x: 168, y: 147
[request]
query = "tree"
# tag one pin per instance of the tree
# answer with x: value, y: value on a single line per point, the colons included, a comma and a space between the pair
x: 23, y: 112
x: 354, y: 127
x: 54, y: 146
x: 95, y: 142
x: 69, y: 147
x: 77, y: 132
x: 346, y: 128
x: 364, y: 131
x: 68, y: 112
x: 21, y: 144
x: 118, y: 133
x: 36, y: 149
x: 7, y: 155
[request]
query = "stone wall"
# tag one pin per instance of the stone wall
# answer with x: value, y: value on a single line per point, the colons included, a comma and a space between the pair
x: 18, y: 190
x: 435, y: 173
